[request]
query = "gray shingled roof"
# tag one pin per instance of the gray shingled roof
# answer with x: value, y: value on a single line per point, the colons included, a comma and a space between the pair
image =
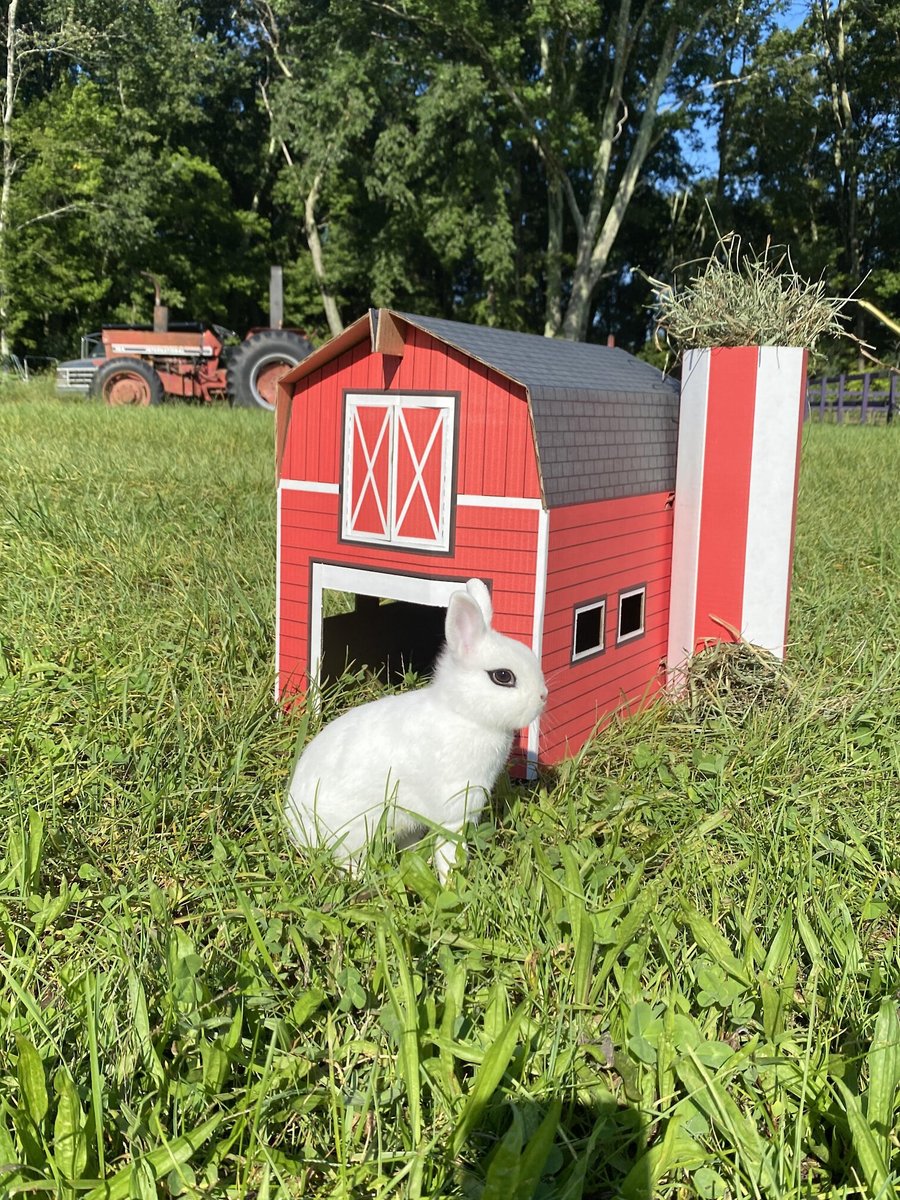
x: 540, y: 362
x: 606, y: 423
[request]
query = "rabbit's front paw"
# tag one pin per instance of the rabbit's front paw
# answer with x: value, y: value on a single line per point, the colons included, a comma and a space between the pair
x: 447, y: 854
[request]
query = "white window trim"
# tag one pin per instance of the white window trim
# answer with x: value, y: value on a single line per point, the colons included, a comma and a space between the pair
x: 635, y: 633
x: 577, y: 656
x: 396, y: 428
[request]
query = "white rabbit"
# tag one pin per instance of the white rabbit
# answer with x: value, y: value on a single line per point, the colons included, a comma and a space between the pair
x: 427, y: 757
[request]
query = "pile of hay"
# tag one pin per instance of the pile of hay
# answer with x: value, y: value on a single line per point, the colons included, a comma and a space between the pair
x: 740, y: 298
x: 731, y: 680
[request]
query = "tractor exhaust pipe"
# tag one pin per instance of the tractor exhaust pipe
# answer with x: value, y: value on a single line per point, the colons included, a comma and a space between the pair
x: 276, y: 298
x: 160, y: 311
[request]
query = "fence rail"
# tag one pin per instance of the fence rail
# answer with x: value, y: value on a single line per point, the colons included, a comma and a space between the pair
x: 867, y: 396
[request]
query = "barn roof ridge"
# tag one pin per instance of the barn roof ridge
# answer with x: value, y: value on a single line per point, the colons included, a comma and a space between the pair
x: 605, y: 423
x: 536, y: 362
x: 539, y: 362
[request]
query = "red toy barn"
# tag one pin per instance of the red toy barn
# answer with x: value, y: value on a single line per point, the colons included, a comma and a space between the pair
x: 414, y: 453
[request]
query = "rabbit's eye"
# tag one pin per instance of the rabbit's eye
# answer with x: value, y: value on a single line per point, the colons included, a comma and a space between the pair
x: 503, y: 677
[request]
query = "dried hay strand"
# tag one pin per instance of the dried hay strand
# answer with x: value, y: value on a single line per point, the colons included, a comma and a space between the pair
x: 741, y: 298
x: 731, y: 679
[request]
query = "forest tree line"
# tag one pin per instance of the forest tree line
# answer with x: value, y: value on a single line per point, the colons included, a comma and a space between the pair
x: 525, y: 163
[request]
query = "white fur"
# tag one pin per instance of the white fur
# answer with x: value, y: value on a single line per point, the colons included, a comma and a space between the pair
x: 424, y: 758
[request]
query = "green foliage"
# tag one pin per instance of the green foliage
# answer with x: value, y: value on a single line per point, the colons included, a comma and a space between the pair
x: 483, y: 161
x: 65, y: 177
x: 669, y: 970
x: 813, y: 150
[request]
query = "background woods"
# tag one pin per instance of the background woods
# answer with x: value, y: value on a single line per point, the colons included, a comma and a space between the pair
x: 505, y: 163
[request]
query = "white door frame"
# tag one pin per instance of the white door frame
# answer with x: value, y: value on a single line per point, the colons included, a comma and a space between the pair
x: 417, y: 590
x: 363, y: 582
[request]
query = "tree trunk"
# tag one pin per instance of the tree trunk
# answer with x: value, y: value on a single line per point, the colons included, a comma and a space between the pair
x: 267, y: 18
x: 597, y: 236
x: 553, y: 282
x: 9, y: 166
x: 329, y: 304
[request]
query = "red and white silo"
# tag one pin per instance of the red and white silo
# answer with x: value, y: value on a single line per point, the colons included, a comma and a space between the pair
x: 742, y: 414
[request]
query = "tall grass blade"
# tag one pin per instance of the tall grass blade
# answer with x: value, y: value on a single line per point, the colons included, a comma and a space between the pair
x: 155, y: 1164
x: 69, y: 1136
x: 405, y: 1006
x: 32, y: 1081
x: 868, y: 1152
x: 502, y: 1179
x: 714, y: 1100
x: 883, y: 1061
x: 487, y: 1078
x: 537, y: 1151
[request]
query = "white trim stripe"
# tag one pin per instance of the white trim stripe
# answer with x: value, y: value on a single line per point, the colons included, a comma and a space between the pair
x: 471, y: 501
x: 767, y: 562
x: 537, y: 627
x: 308, y: 485
x: 688, y: 506
x: 465, y: 500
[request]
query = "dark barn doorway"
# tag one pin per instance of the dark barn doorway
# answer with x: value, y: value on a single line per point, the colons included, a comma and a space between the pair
x: 391, y: 638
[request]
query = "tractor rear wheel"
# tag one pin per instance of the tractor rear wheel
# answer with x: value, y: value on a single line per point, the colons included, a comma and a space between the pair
x: 256, y: 365
x: 122, y: 381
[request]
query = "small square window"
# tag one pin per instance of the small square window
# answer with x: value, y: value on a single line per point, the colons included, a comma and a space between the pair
x: 587, y: 636
x: 631, y: 613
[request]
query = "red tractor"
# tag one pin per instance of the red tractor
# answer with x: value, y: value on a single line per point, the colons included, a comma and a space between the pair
x: 137, y: 364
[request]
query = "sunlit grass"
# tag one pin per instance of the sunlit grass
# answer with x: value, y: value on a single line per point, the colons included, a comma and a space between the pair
x: 671, y: 970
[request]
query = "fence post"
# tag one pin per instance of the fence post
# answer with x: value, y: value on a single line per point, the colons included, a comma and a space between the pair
x: 891, y: 394
x: 864, y: 406
x: 823, y: 397
x: 839, y: 414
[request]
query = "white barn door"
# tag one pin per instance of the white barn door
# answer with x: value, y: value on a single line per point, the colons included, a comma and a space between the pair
x: 398, y: 470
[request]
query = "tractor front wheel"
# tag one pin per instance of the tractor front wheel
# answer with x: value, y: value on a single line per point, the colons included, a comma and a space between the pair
x: 256, y: 365
x: 127, y: 381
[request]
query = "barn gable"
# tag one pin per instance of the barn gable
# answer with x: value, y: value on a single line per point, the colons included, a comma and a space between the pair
x: 605, y: 423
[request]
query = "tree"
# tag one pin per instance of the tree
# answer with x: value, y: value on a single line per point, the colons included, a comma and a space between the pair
x: 119, y: 152
x: 857, y: 44
x: 319, y: 105
x: 815, y: 150
x: 598, y: 88
x: 31, y: 30
x: 9, y: 100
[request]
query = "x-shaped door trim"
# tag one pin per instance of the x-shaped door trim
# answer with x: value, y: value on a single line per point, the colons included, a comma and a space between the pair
x: 369, y: 480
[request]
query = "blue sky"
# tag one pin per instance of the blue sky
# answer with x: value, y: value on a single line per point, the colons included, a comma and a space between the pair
x: 705, y: 161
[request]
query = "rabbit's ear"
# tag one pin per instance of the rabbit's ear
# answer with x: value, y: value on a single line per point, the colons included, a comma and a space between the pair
x: 465, y: 626
x: 482, y: 597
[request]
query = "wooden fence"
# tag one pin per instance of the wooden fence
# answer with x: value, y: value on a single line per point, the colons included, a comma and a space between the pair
x: 868, y: 396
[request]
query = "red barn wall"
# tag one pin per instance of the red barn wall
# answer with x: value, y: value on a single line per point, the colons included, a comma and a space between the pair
x: 497, y: 545
x: 597, y: 550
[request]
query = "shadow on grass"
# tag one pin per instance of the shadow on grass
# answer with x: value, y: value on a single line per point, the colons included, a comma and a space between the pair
x: 562, y: 1150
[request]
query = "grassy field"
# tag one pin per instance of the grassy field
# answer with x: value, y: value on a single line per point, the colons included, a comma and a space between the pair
x: 672, y: 970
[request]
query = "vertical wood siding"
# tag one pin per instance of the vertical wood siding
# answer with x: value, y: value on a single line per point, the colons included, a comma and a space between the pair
x: 599, y: 550
x: 498, y: 545
x: 496, y: 450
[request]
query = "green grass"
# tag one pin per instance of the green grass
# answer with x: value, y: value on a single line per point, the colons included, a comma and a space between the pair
x: 672, y: 970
